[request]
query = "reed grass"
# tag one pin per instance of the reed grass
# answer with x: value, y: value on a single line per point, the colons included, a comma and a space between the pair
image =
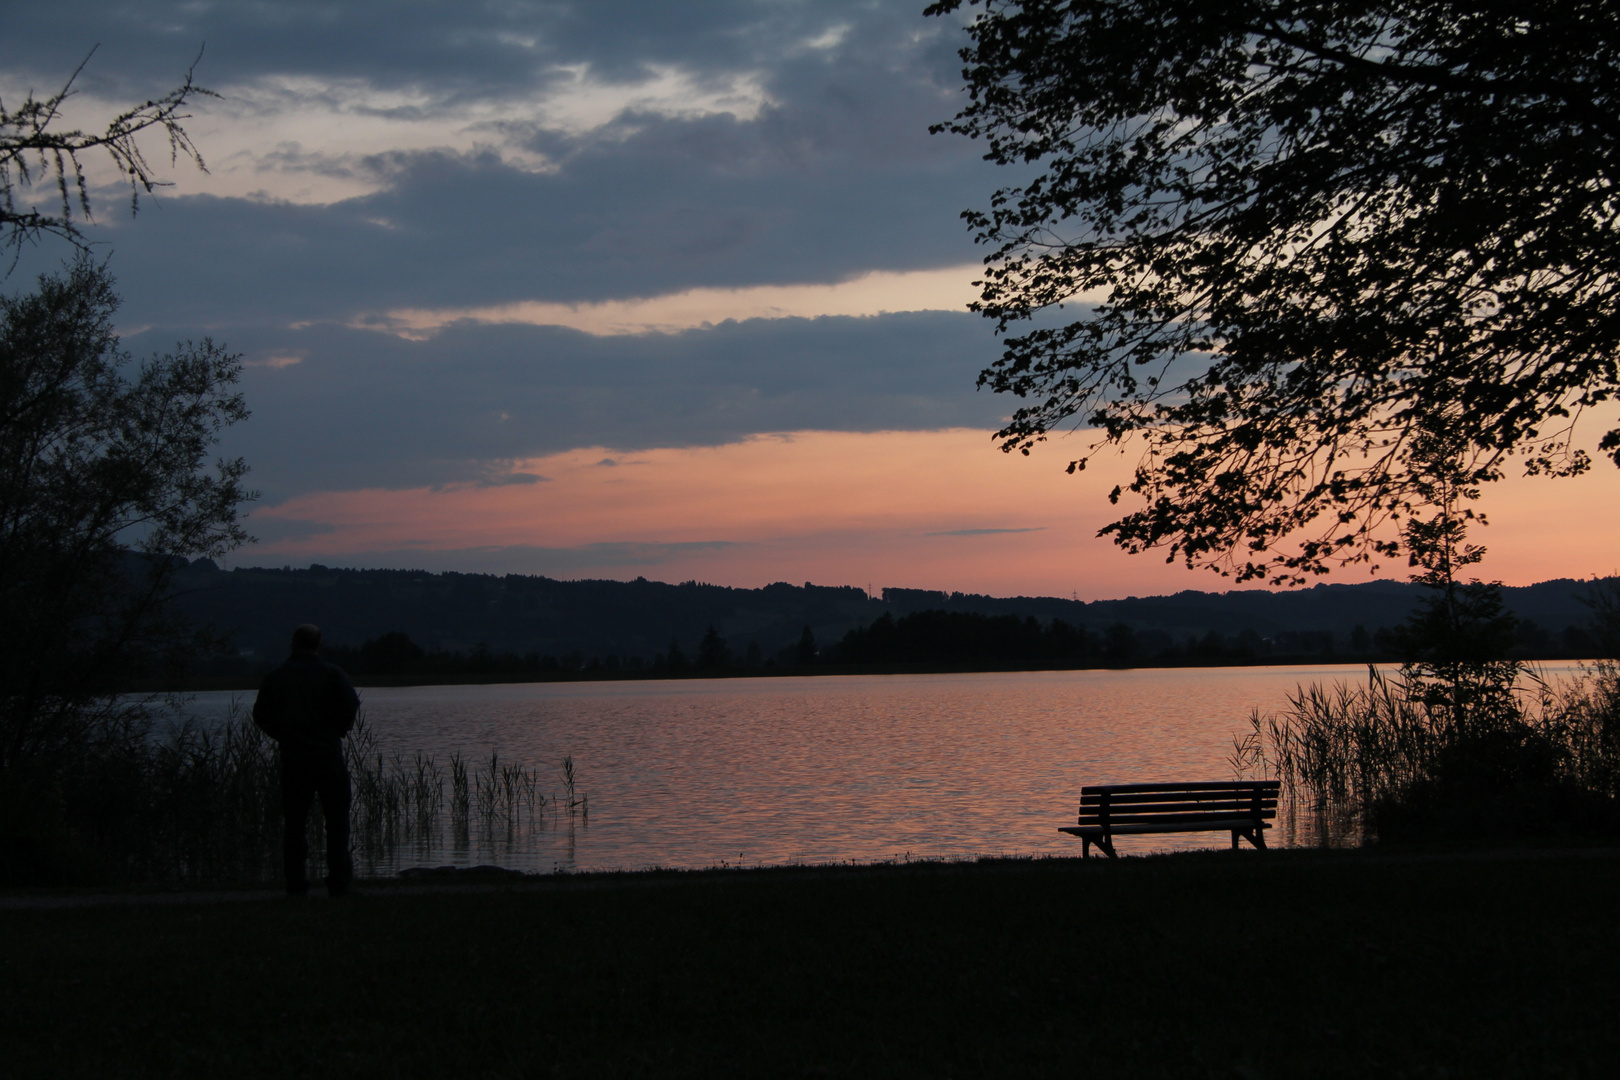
x: 1358, y: 761
x: 203, y: 804
x: 400, y: 807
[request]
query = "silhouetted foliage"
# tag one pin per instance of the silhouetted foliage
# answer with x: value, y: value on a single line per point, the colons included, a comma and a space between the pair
x: 1603, y: 597
x: 713, y: 652
x: 391, y: 652
x: 105, y: 484
x: 33, y: 152
x: 806, y: 651
x: 958, y: 638
x: 1119, y: 643
x: 1454, y: 647
x: 395, y: 654
x: 1296, y: 230
x: 1455, y: 747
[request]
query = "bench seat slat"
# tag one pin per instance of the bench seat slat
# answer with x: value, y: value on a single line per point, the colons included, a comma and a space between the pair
x: 1128, y: 830
x: 1165, y: 819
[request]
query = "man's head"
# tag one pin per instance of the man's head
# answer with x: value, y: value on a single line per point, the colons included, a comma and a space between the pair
x: 307, y: 639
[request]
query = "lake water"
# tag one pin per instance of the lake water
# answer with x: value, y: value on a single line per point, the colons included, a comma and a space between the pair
x: 770, y: 771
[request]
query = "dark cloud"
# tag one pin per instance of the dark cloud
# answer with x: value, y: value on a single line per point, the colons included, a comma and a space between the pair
x: 838, y: 178
x: 369, y: 409
x: 834, y: 177
x: 455, y: 50
x: 455, y: 232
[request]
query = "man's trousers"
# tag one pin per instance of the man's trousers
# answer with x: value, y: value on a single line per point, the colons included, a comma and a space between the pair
x: 303, y: 777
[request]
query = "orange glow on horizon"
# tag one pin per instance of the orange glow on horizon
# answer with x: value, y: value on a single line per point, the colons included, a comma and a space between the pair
x: 938, y: 510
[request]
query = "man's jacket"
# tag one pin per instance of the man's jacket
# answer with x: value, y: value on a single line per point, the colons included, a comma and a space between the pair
x: 306, y: 705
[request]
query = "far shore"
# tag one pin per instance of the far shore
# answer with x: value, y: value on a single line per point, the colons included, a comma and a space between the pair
x: 250, y: 681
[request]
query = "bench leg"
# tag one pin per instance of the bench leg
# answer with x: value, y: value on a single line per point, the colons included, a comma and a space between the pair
x: 1104, y: 844
x: 1256, y: 837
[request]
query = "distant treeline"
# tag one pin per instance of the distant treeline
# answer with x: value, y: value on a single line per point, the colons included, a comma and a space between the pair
x: 921, y: 640
x: 395, y: 654
x: 959, y: 638
x: 416, y: 625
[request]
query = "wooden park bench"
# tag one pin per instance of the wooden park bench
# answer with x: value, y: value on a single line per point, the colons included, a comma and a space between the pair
x: 1243, y: 807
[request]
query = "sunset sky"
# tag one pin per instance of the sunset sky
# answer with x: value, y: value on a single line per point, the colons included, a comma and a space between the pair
x: 612, y: 289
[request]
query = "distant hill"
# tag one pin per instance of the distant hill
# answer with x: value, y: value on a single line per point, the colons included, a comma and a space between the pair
x: 1326, y: 613
x: 632, y: 623
x: 512, y: 614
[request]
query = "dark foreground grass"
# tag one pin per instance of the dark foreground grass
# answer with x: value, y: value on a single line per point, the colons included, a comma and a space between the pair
x: 1278, y: 965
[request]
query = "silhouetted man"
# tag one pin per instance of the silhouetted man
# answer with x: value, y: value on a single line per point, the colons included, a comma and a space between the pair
x: 307, y: 705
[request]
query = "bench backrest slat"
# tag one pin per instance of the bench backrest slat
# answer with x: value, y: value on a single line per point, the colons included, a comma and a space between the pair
x: 1149, y: 798
x: 1210, y: 785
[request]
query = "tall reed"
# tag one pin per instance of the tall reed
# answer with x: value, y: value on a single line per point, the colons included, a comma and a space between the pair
x: 1352, y: 756
x: 203, y: 803
x: 400, y: 805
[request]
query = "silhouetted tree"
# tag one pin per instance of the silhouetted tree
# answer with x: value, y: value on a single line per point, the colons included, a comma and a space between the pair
x: 1603, y: 597
x: 675, y: 659
x: 960, y: 638
x: 392, y: 652
x: 713, y: 652
x: 105, y: 486
x: 1295, y: 230
x: 1249, y: 643
x: 32, y: 151
x: 1454, y: 646
x: 1119, y: 643
x: 1578, y: 643
x: 805, y: 653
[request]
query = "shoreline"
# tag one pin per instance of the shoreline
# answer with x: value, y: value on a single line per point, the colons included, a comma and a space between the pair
x: 249, y: 682
x: 437, y: 881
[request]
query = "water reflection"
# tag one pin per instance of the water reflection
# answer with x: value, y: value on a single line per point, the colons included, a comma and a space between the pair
x: 696, y: 773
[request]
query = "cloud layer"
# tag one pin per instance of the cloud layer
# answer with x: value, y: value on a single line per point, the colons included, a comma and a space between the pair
x: 336, y: 408
x: 379, y: 168
x: 526, y: 152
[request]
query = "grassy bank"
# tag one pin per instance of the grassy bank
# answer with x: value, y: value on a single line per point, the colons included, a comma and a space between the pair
x: 1256, y: 965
